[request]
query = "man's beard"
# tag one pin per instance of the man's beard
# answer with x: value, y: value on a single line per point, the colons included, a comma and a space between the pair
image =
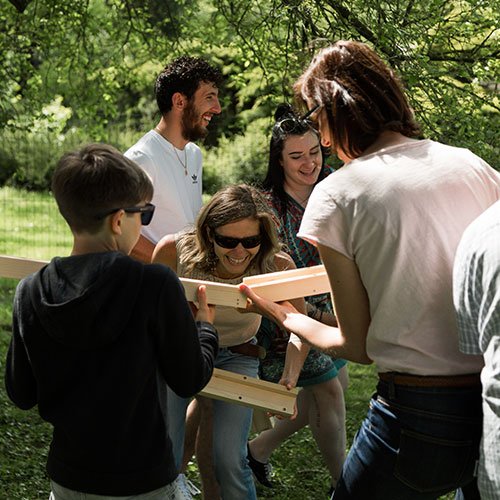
x: 192, y: 130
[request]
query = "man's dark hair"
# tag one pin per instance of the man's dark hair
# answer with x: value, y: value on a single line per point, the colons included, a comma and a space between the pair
x: 95, y: 179
x: 183, y: 75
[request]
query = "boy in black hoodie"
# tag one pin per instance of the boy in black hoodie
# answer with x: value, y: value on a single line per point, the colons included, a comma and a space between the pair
x: 96, y: 336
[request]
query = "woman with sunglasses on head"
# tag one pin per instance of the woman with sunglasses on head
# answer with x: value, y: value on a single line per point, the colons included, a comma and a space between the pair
x: 387, y: 225
x: 295, y: 167
x: 234, y: 237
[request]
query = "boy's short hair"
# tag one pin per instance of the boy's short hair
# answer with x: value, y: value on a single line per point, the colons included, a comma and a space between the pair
x: 96, y: 179
x: 183, y: 75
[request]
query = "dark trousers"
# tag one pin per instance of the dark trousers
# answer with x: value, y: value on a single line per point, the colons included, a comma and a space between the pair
x: 416, y: 443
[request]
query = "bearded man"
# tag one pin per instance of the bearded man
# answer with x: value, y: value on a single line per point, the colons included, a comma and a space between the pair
x: 187, y: 95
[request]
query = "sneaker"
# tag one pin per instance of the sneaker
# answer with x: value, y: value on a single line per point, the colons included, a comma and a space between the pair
x: 262, y: 471
x: 184, y: 489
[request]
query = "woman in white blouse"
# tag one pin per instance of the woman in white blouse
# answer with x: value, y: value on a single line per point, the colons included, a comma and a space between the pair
x: 387, y: 225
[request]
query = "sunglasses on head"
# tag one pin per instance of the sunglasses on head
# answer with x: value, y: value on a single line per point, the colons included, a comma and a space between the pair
x: 146, y: 212
x: 292, y: 124
x: 229, y: 242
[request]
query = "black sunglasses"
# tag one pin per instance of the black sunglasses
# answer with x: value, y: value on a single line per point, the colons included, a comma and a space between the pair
x: 293, y: 124
x: 229, y: 242
x: 146, y: 212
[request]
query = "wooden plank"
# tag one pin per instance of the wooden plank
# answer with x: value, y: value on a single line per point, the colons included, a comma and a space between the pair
x: 220, y: 294
x: 282, y: 285
x: 252, y: 392
x: 277, y: 286
x: 18, y: 268
x: 217, y: 293
x: 278, y: 275
x: 291, y: 284
x: 223, y: 385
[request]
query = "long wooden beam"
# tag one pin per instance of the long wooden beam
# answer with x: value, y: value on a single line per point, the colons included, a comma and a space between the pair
x: 282, y: 285
x: 224, y: 385
x: 248, y: 391
x: 18, y: 268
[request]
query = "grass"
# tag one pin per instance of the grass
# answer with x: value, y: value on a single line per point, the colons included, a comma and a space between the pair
x: 31, y: 225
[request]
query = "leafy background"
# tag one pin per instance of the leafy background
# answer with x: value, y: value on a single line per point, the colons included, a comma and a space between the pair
x: 80, y: 71
x: 84, y: 70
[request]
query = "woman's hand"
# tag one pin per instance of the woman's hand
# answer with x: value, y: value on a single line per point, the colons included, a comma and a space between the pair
x: 203, y: 311
x: 289, y: 380
x: 275, y: 311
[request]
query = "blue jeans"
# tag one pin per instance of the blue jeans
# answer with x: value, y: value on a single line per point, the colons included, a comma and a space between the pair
x: 416, y: 443
x: 231, y: 427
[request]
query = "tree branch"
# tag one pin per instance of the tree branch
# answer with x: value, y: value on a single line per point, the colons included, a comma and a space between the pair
x: 20, y: 5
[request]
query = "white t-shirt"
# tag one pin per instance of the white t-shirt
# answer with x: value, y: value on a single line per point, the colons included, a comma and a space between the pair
x: 177, y: 196
x: 400, y: 213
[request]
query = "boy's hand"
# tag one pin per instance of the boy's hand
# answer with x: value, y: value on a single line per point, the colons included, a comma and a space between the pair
x: 203, y: 311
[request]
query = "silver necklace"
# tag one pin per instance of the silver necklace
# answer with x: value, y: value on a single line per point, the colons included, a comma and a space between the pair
x: 183, y: 163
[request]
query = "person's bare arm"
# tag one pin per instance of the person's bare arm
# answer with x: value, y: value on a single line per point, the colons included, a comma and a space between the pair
x: 350, y: 300
x: 143, y: 250
x: 351, y: 307
x: 165, y: 253
x: 296, y: 351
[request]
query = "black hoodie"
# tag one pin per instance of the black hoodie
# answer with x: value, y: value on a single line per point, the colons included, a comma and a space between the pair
x: 94, y: 339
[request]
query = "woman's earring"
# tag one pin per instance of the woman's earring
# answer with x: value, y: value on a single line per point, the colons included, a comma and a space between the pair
x: 212, y: 259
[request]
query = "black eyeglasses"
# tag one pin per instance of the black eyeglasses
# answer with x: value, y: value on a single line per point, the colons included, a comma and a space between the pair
x: 146, y: 212
x: 310, y: 112
x: 229, y: 242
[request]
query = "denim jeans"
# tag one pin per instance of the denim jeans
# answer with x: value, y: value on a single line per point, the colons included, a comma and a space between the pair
x: 416, y: 443
x: 231, y: 427
x: 167, y: 492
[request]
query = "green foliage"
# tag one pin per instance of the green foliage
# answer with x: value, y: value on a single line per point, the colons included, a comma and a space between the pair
x: 447, y: 53
x: 8, y: 166
x: 77, y: 68
x: 242, y: 158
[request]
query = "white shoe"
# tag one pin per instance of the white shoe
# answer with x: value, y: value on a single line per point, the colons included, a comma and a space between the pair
x: 183, y: 489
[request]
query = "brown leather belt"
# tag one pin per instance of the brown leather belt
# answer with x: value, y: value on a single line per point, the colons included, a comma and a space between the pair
x: 469, y: 380
x: 249, y: 349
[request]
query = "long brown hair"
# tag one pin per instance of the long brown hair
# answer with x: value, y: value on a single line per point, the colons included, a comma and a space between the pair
x: 361, y: 95
x: 231, y: 204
